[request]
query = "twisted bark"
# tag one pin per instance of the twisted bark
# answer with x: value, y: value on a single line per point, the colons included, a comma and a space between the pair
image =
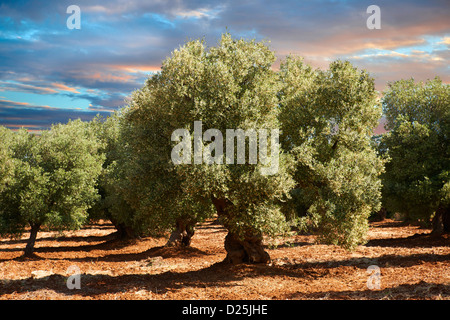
x: 29, y: 249
x: 441, y: 221
x: 245, y: 249
x: 183, y: 233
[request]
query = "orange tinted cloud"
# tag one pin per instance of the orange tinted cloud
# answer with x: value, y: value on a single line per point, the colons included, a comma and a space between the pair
x: 348, y: 42
x: 349, y: 37
x: 15, y: 86
x: 136, y: 68
x: 106, y: 77
x: 63, y: 87
x: 9, y: 103
x: 445, y: 40
x: 31, y: 128
x: 21, y: 125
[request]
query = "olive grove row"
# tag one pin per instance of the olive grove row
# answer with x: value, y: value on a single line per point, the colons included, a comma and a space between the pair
x: 332, y: 172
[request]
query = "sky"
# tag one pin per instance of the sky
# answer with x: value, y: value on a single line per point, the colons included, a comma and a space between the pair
x: 50, y: 73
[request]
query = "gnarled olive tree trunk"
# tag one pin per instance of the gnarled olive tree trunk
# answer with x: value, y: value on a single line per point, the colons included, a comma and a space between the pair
x: 123, y: 231
x: 182, y: 235
x: 29, y: 249
x: 245, y: 249
x: 441, y: 221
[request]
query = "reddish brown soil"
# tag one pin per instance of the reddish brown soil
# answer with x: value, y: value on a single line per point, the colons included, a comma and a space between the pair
x: 413, y: 265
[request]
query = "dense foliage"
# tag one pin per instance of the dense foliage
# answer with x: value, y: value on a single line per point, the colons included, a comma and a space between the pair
x: 111, y: 204
x: 191, y: 144
x: 417, y: 178
x: 51, y: 179
x: 327, y: 121
x: 230, y: 86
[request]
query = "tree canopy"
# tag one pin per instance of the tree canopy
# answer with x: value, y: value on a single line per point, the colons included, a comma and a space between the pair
x: 219, y: 131
x: 52, y: 180
x: 417, y: 178
x: 327, y: 120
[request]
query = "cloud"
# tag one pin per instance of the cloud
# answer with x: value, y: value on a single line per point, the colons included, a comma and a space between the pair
x: 13, y: 86
x: 121, y: 43
x: 28, y: 84
x: 16, y: 115
x: 445, y: 40
x: 63, y: 87
x: 11, y: 104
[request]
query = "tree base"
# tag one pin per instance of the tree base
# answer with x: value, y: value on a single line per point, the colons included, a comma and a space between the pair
x: 441, y: 221
x: 124, y: 233
x: 379, y: 216
x: 29, y: 249
x: 182, y: 235
x: 248, y: 250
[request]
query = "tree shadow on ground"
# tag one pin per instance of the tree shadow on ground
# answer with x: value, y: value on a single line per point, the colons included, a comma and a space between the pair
x: 219, y: 274
x: 421, y: 290
x: 389, y: 224
x: 161, y: 251
x: 62, y: 237
x: 110, y: 242
x: 224, y: 275
x: 415, y: 241
x: 181, y: 252
x: 210, y: 225
x: 105, y: 238
x: 98, y: 225
x: 287, y: 244
x: 388, y: 260
x: 93, y: 285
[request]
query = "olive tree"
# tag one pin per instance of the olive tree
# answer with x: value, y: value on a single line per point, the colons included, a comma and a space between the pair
x: 417, y: 178
x: 6, y: 160
x: 185, y: 110
x: 111, y: 204
x: 52, y: 183
x: 327, y: 119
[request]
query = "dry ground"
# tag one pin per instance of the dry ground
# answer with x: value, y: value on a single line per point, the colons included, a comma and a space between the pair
x: 413, y: 265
